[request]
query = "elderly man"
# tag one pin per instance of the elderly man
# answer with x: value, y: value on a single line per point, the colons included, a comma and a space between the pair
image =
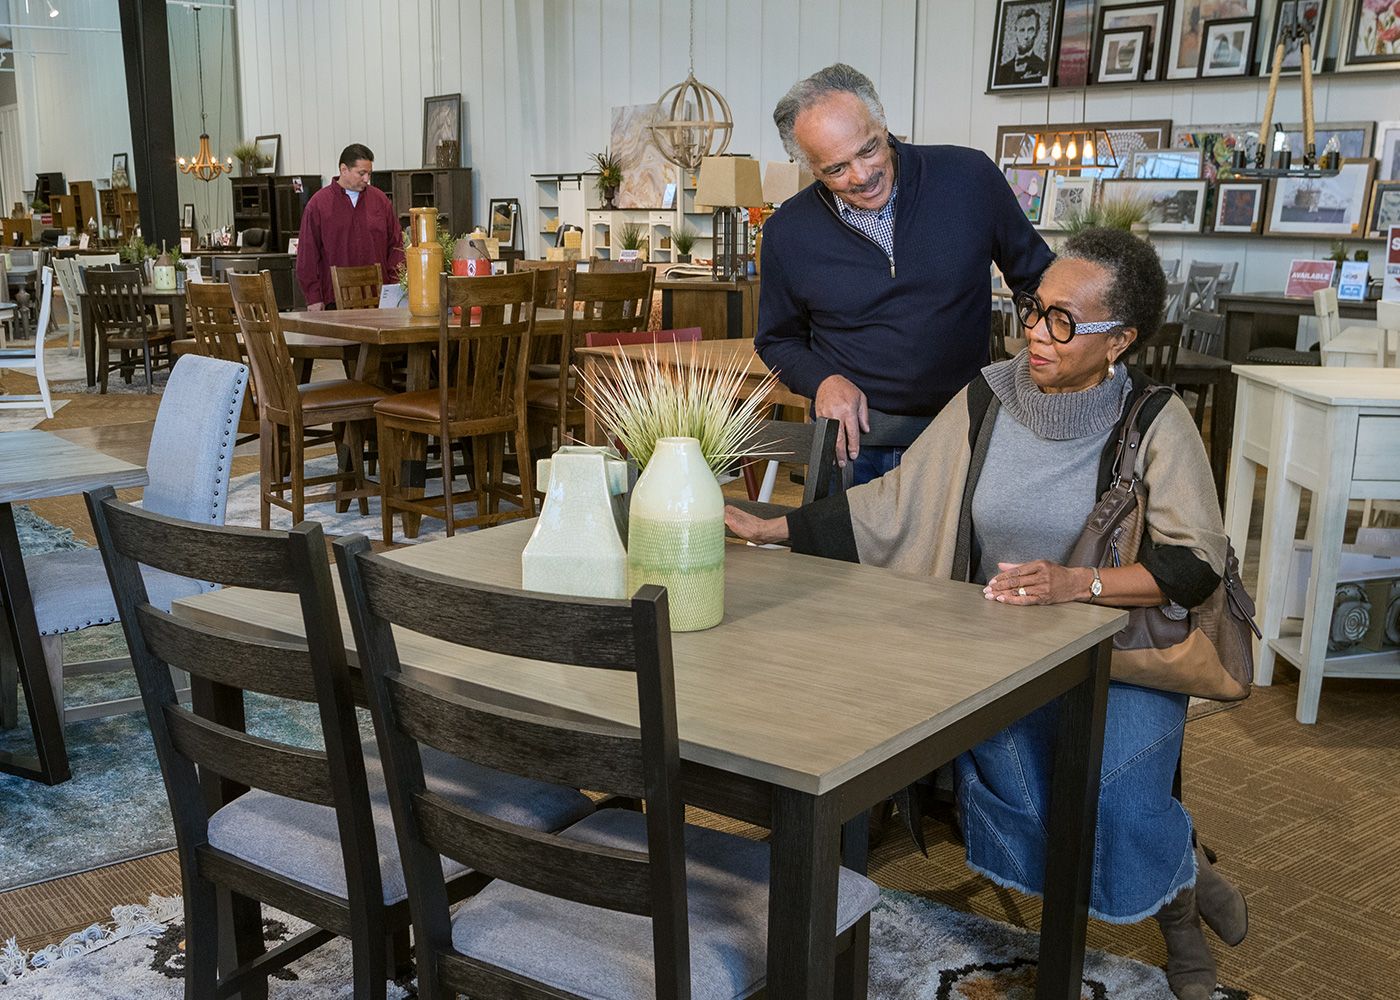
x: 876, y: 296
x: 347, y: 224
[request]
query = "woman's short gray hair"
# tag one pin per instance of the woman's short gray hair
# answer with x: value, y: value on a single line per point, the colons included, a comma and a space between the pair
x: 835, y: 79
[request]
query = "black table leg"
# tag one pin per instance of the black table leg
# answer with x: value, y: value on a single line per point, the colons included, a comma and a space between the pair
x: 802, y: 896
x: 21, y: 644
x: 1222, y: 432
x: 855, y: 843
x: 1074, y: 807
x: 89, y: 339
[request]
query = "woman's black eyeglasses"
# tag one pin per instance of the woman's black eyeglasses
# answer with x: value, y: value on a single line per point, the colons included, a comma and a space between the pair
x: 1062, y: 326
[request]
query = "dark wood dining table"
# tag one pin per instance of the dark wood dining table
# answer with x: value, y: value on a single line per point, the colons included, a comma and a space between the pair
x: 172, y: 300
x: 1270, y: 319
x: 802, y: 732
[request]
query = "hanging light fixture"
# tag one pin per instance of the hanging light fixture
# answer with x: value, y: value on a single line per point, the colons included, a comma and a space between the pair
x: 1068, y: 149
x: 203, y: 165
x: 692, y: 120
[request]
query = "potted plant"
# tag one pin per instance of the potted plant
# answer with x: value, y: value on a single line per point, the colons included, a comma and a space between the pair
x: 683, y: 239
x: 684, y: 425
x: 1127, y: 213
x: 609, y: 169
x: 246, y: 153
x: 630, y: 237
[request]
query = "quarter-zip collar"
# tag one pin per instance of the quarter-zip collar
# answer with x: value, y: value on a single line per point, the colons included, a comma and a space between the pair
x: 839, y: 209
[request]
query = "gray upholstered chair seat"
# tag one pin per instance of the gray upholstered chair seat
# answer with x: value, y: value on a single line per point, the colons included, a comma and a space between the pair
x: 71, y: 591
x: 593, y: 952
x: 301, y: 841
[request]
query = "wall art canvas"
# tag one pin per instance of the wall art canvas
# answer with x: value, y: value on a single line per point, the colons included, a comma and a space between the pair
x: 1354, y: 139
x: 1239, y: 206
x: 1024, y: 48
x: 1388, y: 150
x: 1189, y: 19
x: 1176, y: 206
x: 1322, y: 206
x: 1151, y: 15
x: 1121, y: 54
x: 1217, y: 143
x: 1076, y: 43
x: 1385, y: 207
x: 1314, y: 17
x: 1228, y: 49
x: 645, y: 172
x: 1028, y: 185
x: 1166, y: 164
x: 1065, y: 198
x: 1372, y: 36
x: 442, y: 122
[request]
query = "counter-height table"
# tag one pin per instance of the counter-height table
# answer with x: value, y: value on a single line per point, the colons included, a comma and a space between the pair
x: 827, y: 687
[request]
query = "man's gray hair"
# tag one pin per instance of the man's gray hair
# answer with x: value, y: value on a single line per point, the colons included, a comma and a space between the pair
x: 835, y: 79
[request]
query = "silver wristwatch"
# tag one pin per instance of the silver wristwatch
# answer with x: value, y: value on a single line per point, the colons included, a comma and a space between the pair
x: 1095, y: 588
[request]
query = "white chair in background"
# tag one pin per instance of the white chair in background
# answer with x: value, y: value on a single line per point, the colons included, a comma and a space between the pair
x: 31, y: 358
x: 65, y: 271
x: 1356, y: 346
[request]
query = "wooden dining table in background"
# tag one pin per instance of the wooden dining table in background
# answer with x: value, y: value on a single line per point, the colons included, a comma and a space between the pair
x: 172, y: 300
x: 802, y: 732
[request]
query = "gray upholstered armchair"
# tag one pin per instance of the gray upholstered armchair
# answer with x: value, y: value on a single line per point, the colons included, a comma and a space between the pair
x: 188, y: 463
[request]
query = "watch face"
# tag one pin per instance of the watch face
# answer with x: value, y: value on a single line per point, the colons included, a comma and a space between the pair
x: 1096, y: 588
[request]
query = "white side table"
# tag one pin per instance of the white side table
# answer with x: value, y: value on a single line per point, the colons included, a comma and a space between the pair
x: 1333, y: 432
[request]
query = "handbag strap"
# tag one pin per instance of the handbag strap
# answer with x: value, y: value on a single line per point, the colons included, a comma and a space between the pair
x: 1130, y: 438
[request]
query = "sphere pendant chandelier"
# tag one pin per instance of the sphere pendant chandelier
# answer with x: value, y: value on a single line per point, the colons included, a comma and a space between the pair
x: 693, y: 121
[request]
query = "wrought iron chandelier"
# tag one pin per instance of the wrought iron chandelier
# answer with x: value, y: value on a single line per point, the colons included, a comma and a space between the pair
x: 693, y: 120
x: 203, y: 166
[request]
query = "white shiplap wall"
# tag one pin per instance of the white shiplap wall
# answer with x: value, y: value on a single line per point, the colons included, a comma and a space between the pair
x: 953, y: 48
x: 539, y: 78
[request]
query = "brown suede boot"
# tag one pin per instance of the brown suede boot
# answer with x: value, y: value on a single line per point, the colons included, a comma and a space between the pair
x: 1222, y: 906
x: 1190, y: 965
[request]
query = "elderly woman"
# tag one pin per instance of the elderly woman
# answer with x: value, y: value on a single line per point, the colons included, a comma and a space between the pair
x: 996, y: 491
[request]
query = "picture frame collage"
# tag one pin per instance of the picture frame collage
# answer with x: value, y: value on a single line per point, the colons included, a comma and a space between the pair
x: 1183, y: 173
x: 1072, y: 43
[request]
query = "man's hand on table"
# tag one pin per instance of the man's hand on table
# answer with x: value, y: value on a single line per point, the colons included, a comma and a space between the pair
x: 839, y: 399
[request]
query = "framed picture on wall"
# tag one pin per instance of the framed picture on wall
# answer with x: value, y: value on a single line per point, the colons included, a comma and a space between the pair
x: 1028, y: 185
x: 1355, y: 140
x: 1075, y: 43
x: 1228, y: 48
x: 1388, y: 151
x: 1385, y: 207
x: 504, y: 214
x: 1314, y: 15
x: 1189, y: 18
x: 1370, y: 37
x: 120, y: 177
x: 1323, y: 206
x: 1166, y: 164
x: 1153, y: 15
x: 442, y: 122
x: 1066, y: 197
x: 187, y: 215
x: 1239, y: 206
x: 1122, y: 52
x: 1024, y: 47
x: 1175, y: 206
x: 269, y: 153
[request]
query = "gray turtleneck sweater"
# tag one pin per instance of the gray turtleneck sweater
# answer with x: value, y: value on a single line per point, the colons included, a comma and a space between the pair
x: 1040, y: 480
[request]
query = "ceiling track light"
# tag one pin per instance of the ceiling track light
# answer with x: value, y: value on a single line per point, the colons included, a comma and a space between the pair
x: 53, y: 11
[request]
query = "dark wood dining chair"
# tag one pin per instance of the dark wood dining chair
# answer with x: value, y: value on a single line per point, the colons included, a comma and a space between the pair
x: 603, y: 265
x: 357, y: 287
x: 308, y: 831
x: 286, y: 409
x: 603, y: 303
x: 214, y: 323
x: 551, y: 290
x: 622, y: 903
x: 1204, y: 333
x: 810, y: 445
x: 482, y: 357
x: 1158, y: 359
x: 123, y: 323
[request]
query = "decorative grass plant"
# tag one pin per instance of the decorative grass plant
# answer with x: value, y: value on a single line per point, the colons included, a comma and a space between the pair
x: 640, y: 404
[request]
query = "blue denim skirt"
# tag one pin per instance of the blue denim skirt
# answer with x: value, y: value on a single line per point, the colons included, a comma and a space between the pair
x: 1143, y: 854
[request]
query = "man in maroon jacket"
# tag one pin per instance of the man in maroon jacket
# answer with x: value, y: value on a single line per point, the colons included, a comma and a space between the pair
x: 347, y: 224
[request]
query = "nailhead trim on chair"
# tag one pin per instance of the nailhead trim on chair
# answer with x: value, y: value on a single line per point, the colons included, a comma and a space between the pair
x: 230, y: 428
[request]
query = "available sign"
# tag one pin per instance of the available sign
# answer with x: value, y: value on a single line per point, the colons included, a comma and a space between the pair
x: 1391, y: 292
x: 1308, y: 276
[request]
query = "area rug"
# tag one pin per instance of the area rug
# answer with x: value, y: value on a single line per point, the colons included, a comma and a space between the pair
x: 919, y: 950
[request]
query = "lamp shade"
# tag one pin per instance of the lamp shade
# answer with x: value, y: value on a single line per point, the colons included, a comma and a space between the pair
x: 783, y: 180
x: 727, y: 181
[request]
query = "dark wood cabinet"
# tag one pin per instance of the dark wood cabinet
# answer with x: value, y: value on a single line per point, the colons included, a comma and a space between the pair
x: 447, y: 189
x: 273, y: 204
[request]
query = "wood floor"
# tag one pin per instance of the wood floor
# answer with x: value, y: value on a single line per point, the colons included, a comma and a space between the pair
x: 1306, y: 819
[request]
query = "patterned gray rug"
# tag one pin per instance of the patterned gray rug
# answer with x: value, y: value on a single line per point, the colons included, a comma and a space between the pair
x: 919, y: 950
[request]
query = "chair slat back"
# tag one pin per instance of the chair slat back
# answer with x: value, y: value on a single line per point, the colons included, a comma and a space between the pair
x: 223, y: 664
x: 357, y: 287
x: 116, y: 303
x: 214, y: 322
x: 550, y: 291
x: 586, y: 633
x: 255, y: 304
x: 1204, y: 333
x: 602, y: 265
x: 1329, y: 317
x: 602, y: 302
x: 1158, y: 360
x: 810, y: 444
x: 490, y: 338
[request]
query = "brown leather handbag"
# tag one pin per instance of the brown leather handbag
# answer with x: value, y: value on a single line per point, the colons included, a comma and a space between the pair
x: 1205, y: 652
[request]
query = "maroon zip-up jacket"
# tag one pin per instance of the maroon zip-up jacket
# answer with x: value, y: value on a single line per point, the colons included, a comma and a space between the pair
x: 336, y: 232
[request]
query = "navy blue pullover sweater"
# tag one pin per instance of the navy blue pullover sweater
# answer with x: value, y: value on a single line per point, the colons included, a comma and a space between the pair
x: 912, y: 335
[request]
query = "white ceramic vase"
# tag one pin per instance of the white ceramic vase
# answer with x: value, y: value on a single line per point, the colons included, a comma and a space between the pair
x: 577, y: 546
x: 676, y: 534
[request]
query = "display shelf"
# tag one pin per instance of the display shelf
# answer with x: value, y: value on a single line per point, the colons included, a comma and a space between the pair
x: 699, y: 222
x: 563, y: 198
x: 1209, y: 235
x: 1257, y: 79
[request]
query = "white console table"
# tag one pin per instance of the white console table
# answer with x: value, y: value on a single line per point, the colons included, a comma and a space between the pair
x: 1336, y: 433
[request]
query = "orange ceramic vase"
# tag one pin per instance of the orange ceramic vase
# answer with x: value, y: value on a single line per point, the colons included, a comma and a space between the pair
x: 424, y: 263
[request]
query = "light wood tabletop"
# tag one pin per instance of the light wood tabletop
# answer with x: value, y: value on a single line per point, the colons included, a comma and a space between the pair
x: 37, y: 464
x: 827, y: 687
x: 384, y: 327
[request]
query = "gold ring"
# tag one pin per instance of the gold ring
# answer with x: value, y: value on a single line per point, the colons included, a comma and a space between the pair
x: 1020, y: 591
